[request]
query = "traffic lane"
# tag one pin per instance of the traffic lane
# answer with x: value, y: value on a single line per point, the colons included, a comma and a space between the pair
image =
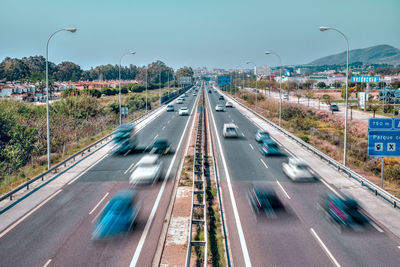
x: 306, y: 196
x: 56, y: 212
x: 245, y: 169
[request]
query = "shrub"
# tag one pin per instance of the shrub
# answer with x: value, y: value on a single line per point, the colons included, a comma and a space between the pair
x: 292, y: 112
x: 392, y: 174
x: 305, y: 138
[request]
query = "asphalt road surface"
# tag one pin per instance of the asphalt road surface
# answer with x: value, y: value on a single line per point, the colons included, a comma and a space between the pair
x: 300, y: 237
x: 59, y: 233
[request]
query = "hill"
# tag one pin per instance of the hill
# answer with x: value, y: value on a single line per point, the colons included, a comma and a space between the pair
x: 379, y: 54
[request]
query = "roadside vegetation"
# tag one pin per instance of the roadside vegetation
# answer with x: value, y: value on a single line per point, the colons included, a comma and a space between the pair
x: 325, y: 131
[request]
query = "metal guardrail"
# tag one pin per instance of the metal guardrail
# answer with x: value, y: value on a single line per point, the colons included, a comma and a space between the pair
x: 340, y: 167
x: 198, y: 189
x: 81, y: 152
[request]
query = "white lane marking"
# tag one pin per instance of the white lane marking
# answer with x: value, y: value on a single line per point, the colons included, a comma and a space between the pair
x: 85, y: 171
x: 98, y: 214
x: 233, y: 201
x: 324, y: 248
x: 330, y: 187
x: 28, y: 214
x: 162, y: 129
x: 143, y: 237
x: 265, y: 164
x: 242, y: 134
x: 283, y: 189
x: 168, y: 122
x: 398, y: 247
x: 155, y: 137
x: 376, y: 227
x: 98, y: 204
x: 251, y: 146
x: 133, y: 163
x: 47, y: 263
x: 127, y: 152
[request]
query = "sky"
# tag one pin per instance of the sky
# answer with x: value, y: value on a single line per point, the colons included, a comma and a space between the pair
x: 196, y: 33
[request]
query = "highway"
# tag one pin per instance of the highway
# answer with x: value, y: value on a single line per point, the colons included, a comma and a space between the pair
x: 59, y: 232
x: 301, y: 237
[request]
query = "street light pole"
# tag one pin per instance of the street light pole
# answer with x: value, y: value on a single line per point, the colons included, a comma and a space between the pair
x: 322, y: 29
x: 119, y: 72
x: 146, y: 90
x: 280, y: 85
x: 48, y: 92
x: 255, y: 72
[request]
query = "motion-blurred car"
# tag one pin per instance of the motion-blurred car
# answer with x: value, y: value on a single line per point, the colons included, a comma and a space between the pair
x: 147, y: 170
x: 186, y: 95
x: 260, y: 135
x: 179, y: 101
x: 209, y: 91
x: 221, y: 97
x: 230, y: 130
x: 345, y: 212
x: 118, y: 216
x: 124, y: 138
x: 270, y: 147
x: 219, y: 107
x: 298, y: 170
x: 228, y: 104
x: 265, y: 201
x: 160, y: 146
x: 170, y: 108
x: 334, y: 107
x: 286, y: 96
x: 183, y: 111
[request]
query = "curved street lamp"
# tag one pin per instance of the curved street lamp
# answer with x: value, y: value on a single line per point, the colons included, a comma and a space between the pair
x: 255, y: 72
x: 119, y: 75
x: 322, y: 29
x: 48, y: 91
x: 280, y: 85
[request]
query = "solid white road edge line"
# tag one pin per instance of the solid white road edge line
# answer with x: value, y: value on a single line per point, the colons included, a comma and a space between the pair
x: 98, y: 204
x: 155, y: 137
x: 233, y: 201
x: 251, y: 146
x: 324, y: 248
x: 47, y: 263
x: 283, y: 189
x: 376, y: 227
x: 265, y: 164
x: 143, y: 237
x: 28, y: 214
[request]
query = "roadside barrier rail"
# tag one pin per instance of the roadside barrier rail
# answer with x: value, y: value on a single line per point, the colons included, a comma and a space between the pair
x: 339, y: 166
x: 199, y: 208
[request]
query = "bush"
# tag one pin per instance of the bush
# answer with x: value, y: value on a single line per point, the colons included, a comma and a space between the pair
x: 305, y: 138
x: 292, y: 112
x: 392, y: 174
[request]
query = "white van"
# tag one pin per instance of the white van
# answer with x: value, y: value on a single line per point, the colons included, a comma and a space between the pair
x: 230, y: 130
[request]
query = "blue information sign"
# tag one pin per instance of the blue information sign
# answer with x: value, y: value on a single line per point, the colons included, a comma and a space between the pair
x: 223, y: 80
x: 384, y: 137
x: 364, y: 79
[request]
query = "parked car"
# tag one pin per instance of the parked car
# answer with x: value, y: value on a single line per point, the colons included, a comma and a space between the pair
x: 270, y: 147
x: 209, y: 91
x: 179, y: 101
x: 230, y: 130
x: 260, y: 135
x: 344, y: 211
x: 334, y: 107
x: 170, y: 108
x: 183, y: 111
x: 286, y: 96
x: 264, y: 201
x: 298, y: 170
x: 221, y: 97
x: 228, y: 104
x: 219, y: 107
x: 118, y: 216
x: 160, y: 146
x: 147, y: 170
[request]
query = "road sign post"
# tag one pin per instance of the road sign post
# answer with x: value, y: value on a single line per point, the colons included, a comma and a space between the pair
x: 383, y: 139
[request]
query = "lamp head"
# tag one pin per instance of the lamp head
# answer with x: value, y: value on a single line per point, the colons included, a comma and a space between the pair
x: 70, y: 29
x: 267, y: 52
x: 132, y: 52
x: 322, y: 28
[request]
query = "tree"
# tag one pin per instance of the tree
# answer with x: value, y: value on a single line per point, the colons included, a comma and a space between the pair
x: 67, y: 71
x: 373, y: 105
x: 308, y: 84
x: 184, y: 72
x: 327, y: 99
x: 337, y: 84
x: 309, y: 95
x: 321, y: 85
x: 298, y: 95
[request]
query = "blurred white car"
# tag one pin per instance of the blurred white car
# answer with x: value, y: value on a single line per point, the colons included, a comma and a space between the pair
x: 147, y: 170
x: 298, y: 170
x: 219, y: 107
x: 230, y: 130
x: 179, y: 101
x: 183, y: 111
x: 228, y: 104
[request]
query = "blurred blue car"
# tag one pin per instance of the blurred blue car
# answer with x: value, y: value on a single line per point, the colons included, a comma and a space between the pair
x: 270, y: 147
x: 118, y: 216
